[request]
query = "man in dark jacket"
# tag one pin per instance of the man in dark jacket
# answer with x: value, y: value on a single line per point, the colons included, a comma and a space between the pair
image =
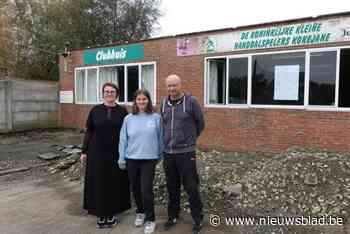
x: 183, y: 122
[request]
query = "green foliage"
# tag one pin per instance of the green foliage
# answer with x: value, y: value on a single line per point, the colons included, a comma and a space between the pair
x: 40, y: 29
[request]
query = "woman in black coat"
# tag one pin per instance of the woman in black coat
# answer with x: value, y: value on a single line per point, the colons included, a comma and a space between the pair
x: 106, y: 190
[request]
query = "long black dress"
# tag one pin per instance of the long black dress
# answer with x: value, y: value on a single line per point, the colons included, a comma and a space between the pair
x: 106, y: 190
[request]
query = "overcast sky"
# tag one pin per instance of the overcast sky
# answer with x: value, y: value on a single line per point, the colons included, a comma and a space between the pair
x: 183, y: 16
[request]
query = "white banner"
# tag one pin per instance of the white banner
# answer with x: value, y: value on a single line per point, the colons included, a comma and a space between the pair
x: 288, y: 35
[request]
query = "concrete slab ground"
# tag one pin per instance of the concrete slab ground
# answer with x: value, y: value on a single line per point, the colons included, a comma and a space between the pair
x: 54, y: 206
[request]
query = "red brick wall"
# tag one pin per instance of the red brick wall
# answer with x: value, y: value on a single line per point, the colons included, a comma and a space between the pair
x: 272, y: 130
x: 267, y: 130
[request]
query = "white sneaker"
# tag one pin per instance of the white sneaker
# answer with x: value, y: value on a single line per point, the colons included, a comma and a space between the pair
x: 149, y: 227
x: 140, y: 219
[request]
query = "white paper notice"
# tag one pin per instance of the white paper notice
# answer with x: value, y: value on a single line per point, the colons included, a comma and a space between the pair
x: 286, y: 82
x: 66, y: 96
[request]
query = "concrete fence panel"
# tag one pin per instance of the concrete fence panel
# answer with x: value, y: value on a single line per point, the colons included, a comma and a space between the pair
x: 28, y: 104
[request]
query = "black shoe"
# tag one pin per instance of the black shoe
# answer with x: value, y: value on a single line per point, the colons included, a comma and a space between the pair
x: 111, y: 221
x: 170, y: 223
x: 196, y: 228
x: 197, y: 225
x: 101, y: 222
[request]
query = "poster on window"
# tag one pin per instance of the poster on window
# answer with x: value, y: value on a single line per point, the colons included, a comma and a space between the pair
x: 286, y: 82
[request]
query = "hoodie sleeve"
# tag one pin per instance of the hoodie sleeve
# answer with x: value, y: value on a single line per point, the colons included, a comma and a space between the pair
x: 160, y: 137
x: 123, y: 142
x: 198, y: 116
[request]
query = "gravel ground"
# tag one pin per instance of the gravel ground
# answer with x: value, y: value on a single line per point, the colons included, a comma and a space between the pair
x: 298, y: 182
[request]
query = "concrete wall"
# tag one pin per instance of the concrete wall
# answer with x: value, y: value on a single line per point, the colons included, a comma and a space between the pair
x: 3, y: 105
x: 28, y: 104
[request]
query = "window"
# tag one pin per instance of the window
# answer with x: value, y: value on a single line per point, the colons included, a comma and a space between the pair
x: 89, y: 81
x: 80, y: 86
x: 132, y: 81
x: 278, y: 79
x: 114, y: 75
x: 322, y: 78
x: 92, y: 85
x: 147, y: 79
x: 344, y: 78
x: 217, y: 81
x: 238, y: 81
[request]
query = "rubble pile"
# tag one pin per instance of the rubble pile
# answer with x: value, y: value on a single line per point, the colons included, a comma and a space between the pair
x: 299, y: 182
x: 296, y: 182
x: 69, y: 164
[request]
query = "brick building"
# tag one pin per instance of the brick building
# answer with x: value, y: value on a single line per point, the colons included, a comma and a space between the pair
x: 263, y: 87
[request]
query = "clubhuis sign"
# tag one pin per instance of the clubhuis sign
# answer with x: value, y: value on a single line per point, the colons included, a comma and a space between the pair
x: 309, y: 33
x: 117, y: 54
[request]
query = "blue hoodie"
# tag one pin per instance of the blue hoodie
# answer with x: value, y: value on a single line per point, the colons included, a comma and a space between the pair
x: 141, y: 137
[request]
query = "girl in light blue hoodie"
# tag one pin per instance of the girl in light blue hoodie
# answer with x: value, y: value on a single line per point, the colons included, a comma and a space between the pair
x: 140, y: 148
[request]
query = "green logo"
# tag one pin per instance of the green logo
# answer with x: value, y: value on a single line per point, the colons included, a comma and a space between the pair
x: 210, y: 45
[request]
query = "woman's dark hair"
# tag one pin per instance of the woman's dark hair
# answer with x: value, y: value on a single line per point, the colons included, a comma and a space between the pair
x: 149, y: 107
x: 109, y: 84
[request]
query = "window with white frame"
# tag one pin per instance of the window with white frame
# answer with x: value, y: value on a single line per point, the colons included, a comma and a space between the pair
x: 227, y: 80
x: 217, y: 81
x: 278, y: 79
x: 80, y: 86
x: 129, y: 78
x: 310, y: 78
x: 147, y: 79
x: 132, y: 81
x: 322, y: 78
x: 238, y: 80
x: 115, y: 75
x: 91, y: 85
x: 344, y: 78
